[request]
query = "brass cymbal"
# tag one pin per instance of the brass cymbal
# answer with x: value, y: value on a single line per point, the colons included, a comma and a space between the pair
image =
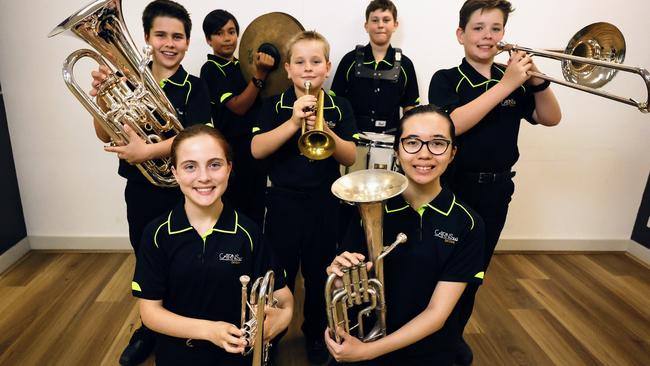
x: 270, y: 32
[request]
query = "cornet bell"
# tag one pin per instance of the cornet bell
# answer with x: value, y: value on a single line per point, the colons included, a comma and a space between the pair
x: 316, y: 144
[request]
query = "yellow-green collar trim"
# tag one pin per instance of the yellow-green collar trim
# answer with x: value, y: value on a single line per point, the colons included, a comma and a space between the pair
x: 165, y: 81
x: 486, y: 82
x: 219, y: 66
x: 186, y: 81
x: 169, y: 226
x: 396, y: 209
x: 280, y: 104
x: 376, y: 63
x: 220, y: 230
x: 207, y: 233
x: 442, y: 212
x: 421, y: 210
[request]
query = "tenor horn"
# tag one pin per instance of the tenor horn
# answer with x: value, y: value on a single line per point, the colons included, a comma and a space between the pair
x: 316, y: 144
x: 138, y: 101
x: 252, y: 315
x: 368, y: 189
x: 590, y: 60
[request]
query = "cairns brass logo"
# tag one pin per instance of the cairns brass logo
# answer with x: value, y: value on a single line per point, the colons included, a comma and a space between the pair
x: 449, y: 238
x: 232, y: 258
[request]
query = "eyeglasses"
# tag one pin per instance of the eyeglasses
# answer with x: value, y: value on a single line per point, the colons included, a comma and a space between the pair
x: 413, y: 145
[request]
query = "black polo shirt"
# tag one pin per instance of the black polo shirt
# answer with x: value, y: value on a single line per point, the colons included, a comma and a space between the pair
x: 225, y: 80
x: 198, y: 275
x: 374, y: 101
x: 491, y: 145
x: 288, y: 168
x: 189, y: 96
x: 445, y: 243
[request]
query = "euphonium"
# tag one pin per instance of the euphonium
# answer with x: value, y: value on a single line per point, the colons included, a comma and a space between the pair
x: 261, y: 296
x: 143, y: 106
x: 368, y: 189
x: 316, y: 144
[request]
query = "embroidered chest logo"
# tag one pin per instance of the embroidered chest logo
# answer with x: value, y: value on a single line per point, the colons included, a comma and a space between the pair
x: 449, y: 238
x: 330, y: 124
x: 229, y: 257
x: 509, y: 103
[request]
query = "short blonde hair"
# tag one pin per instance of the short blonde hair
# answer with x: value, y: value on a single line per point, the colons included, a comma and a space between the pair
x: 308, y: 36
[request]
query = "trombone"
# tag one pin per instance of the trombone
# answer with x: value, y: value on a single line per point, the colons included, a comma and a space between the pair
x: 590, y: 60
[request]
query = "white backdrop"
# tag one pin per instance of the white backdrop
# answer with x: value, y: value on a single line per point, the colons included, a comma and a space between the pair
x: 581, y: 180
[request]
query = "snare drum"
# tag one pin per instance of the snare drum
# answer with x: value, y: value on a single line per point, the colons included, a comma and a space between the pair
x: 374, y: 151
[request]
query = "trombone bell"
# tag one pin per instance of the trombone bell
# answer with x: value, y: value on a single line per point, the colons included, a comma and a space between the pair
x: 599, y: 41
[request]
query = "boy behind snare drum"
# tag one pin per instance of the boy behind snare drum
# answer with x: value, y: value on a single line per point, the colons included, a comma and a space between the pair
x: 376, y: 78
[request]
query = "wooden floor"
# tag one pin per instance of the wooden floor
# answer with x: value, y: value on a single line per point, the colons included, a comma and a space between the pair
x: 534, y: 309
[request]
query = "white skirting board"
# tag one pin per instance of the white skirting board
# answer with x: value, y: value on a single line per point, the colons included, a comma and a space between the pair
x: 639, y: 252
x: 79, y: 243
x: 562, y: 245
x: 505, y: 245
x: 13, y: 254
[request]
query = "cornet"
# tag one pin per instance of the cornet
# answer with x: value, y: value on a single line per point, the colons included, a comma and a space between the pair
x: 368, y: 189
x: 261, y: 296
x: 316, y: 144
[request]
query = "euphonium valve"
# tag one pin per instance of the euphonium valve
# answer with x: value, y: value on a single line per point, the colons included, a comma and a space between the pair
x: 316, y: 144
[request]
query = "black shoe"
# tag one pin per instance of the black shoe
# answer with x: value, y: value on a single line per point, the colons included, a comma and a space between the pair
x: 317, y: 353
x: 464, y: 355
x: 139, y: 348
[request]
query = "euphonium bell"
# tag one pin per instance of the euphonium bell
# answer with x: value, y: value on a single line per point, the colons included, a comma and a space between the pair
x: 139, y: 101
x: 316, y: 144
x: 261, y: 296
x: 368, y: 189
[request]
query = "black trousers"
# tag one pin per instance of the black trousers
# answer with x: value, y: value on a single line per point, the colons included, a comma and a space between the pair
x: 435, y: 358
x: 145, y: 202
x: 302, y: 229
x: 490, y: 201
x: 247, y: 183
x: 172, y: 351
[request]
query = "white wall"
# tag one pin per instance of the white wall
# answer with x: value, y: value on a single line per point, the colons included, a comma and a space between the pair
x: 583, y: 179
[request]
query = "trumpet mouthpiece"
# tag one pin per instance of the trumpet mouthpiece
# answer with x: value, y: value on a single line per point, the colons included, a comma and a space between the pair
x: 244, y: 280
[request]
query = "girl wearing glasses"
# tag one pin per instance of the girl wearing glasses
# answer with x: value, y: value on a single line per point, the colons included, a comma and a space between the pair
x: 425, y: 276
